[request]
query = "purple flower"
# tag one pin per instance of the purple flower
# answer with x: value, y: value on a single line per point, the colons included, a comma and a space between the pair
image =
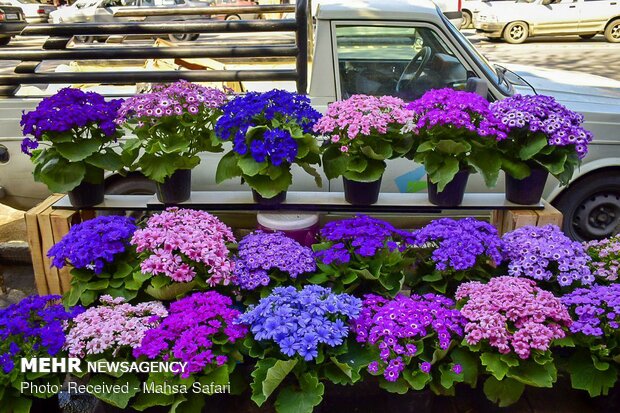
x: 595, y: 311
x: 93, y: 243
x: 457, y: 369
x: 425, y: 367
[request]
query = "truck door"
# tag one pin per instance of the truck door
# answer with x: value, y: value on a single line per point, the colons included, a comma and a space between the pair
x: 555, y: 17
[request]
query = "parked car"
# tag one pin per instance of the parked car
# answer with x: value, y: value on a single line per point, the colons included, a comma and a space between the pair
x: 12, y: 22
x: 472, y: 7
x: 516, y: 22
x: 239, y: 15
x: 100, y: 11
x: 34, y: 11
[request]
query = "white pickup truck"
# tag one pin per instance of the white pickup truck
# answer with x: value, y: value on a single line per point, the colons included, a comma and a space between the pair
x: 370, y: 46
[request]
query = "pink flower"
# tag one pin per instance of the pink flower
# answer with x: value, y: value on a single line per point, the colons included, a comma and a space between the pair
x: 344, y: 149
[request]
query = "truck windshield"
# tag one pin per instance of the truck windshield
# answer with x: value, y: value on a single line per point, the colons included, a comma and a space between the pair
x: 493, y: 74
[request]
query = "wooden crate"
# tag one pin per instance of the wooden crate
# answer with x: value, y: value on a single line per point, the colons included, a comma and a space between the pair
x: 45, y: 228
x: 509, y: 220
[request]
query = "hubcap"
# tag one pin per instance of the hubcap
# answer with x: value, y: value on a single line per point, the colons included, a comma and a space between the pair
x: 597, y: 216
x: 516, y: 32
x: 615, y: 31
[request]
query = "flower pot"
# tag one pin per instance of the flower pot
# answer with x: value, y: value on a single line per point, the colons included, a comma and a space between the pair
x: 176, y: 188
x: 169, y: 292
x: 51, y: 405
x: 452, y: 194
x: 276, y: 200
x: 526, y: 191
x: 88, y: 194
x: 361, y: 193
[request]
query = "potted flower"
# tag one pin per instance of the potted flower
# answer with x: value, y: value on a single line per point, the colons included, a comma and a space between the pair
x: 543, y: 137
x: 455, y: 134
x: 511, y: 326
x: 593, y: 366
x: 180, y: 249
x: 110, y: 332
x: 299, y: 338
x: 362, y: 253
x: 362, y: 132
x: 269, y: 132
x: 200, y: 333
x: 103, y: 261
x: 173, y: 124
x: 448, y: 251
x: 605, y: 255
x: 74, y: 134
x: 413, y: 340
x: 31, y: 329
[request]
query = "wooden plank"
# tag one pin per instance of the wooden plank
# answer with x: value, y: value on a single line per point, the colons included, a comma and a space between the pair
x: 47, y: 241
x: 35, y: 242
x: 61, y: 223
x: 549, y: 215
x: 518, y: 219
x: 497, y: 219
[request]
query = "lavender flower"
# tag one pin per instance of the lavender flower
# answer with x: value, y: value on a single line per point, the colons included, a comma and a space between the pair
x: 300, y: 321
x: 605, y: 254
x: 546, y: 254
x: 402, y: 328
x: 93, y: 243
x: 595, y: 311
x: 262, y: 253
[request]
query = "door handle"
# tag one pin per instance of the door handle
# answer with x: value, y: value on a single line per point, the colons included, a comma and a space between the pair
x: 571, y: 7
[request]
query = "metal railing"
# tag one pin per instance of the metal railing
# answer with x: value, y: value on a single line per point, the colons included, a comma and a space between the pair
x: 55, y: 47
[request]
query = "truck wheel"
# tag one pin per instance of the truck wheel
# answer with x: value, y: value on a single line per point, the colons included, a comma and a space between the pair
x: 84, y: 39
x: 467, y: 19
x: 591, y: 206
x: 612, y: 31
x: 516, y: 32
x: 5, y: 40
x: 233, y: 17
x: 185, y: 37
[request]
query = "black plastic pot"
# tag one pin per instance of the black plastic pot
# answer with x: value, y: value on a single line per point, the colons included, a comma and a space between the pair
x: 452, y: 194
x: 361, y: 193
x: 276, y: 200
x: 88, y: 194
x: 51, y: 405
x: 176, y: 188
x: 526, y: 191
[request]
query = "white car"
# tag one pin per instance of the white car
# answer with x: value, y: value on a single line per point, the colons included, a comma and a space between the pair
x: 34, y: 11
x: 515, y: 22
x: 471, y: 7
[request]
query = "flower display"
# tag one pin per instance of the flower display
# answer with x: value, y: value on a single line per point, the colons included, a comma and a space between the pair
x: 269, y: 131
x: 402, y: 327
x: 94, y: 243
x: 596, y: 310
x: 457, y: 245
x: 69, y: 111
x: 543, y: 114
x: 605, y: 254
x: 546, y: 254
x: 260, y: 253
x: 195, y: 331
x: 299, y: 321
x: 34, y: 327
x: 511, y: 315
x: 111, y: 327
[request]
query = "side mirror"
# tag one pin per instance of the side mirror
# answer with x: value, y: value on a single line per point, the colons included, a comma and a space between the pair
x: 478, y: 86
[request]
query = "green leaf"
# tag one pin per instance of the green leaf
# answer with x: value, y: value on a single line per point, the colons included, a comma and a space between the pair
x: 117, y: 399
x: 584, y: 375
x: 312, y: 172
x: 515, y: 168
x: 452, y: 147
x: 469, y: 363
x: 268, y: 187
x: 426, y: 146
x: 504, y: 392
x: 145, y: 400
x: 435, y: 276
x: 88, y: 297
x: 347, y: 374
x: 494, y: 365
x: 374, y: 171
x: 122, y: 270
x: 399, y: 386
x: 276, y: 374
x: 335, y: 163
x: 533, y: 146
x: 417, y: 379
x: 157, y: 168
x: 378, y: 150
x: 218, y: 376
x: 445, y: 173
x: 58, y: 174
x: 449, y: 377
x: 98, y: 285
x: 108, y: 160
x: 318, y: 278
x: 78, y: 151
x: 357, y: 164
x: 160, y: 281
x: 534, y: 374
x: 250, y: 167
x: 302, y: 400
x: 488, y: 163
x: 74, y: 295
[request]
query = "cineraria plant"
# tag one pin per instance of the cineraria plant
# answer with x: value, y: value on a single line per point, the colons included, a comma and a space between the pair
x: 77, y: 131
x: 455, y: 130
x: 199, y: 331
x: 541, y: 132
x: 511, y: 326
x: 103, y: 261
x: 362, y: 251
x: 30, y: 329
x: 173, y: 124
x: 413, y: 336
x: 269, y: 132
x: 361, y: 133
x: 596, y: 333
x: 264, y: 257
x: 184, y: 246
x: 546, y: 254
x: 605, y: 254
x: 110, y: 332
x: 449, y: 251
x: 300, y: 332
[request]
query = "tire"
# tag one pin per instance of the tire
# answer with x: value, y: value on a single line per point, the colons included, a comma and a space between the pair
x: 516, y: 32
x: 233, y: 17
x: 84, y: 39
x: 591, y: 206
x: 467, y: 20
x: 612, y: 31
x: 5, y: 40
x: 185, y: 37
x: 134, y: 184
x: 587, y: 36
